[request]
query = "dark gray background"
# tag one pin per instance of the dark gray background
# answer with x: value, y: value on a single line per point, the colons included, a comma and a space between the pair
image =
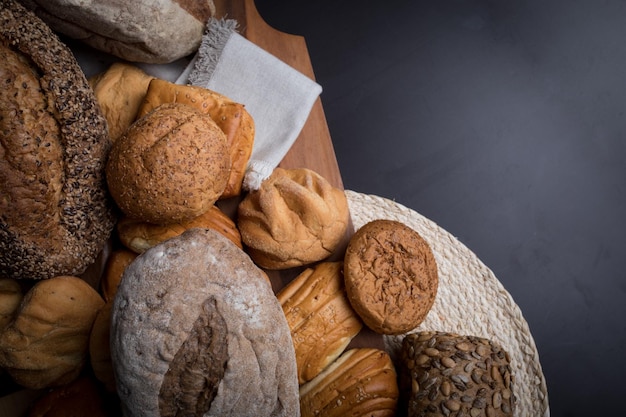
x: 503, y: 122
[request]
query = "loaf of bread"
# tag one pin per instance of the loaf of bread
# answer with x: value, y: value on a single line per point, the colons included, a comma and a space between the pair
x: 170, y: 166
x: 10, y: 299
x: 120, y: 90
x: 391, y: 276
x: 361, y: 382
x: 320, y: 317
x: 153, y: 31
x: 295, y: 218
x: 81, y: 397
x: 56, y: 211
x: 46, y: 344
x: 232, y: 117
x: 455, y: 374
x: 197, y: 329
x: 140, y: 236
x: 114, y: 267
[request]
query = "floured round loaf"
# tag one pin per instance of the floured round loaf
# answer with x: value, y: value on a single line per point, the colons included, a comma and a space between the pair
x: 56, y: 214
x: 197, y: 330
x: 154, y: 31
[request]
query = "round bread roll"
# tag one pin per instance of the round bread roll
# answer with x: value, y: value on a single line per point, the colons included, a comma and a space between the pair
x: 170, y: 166
x: 47, y: 342
x: 140, y: 236
x: 99, y: 348
x: 320, y: 317
x: 361, y: 382
x: 295, y: 218
x: 391, y: 276
x: 455, y: 375
x: 120, y: 90
x: 154, y: 31
x: 56, y: 211
x: 196, y: 329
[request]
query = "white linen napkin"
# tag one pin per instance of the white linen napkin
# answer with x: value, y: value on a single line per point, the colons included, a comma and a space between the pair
x: 278, y: 97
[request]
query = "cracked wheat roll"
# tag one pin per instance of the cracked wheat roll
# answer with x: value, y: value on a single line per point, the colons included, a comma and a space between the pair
x: 55, y: 210
x: 295, y: 218
x: 196, y: 330
x: 453, y: 375
x: 171, y: 165
x: 391, y: 276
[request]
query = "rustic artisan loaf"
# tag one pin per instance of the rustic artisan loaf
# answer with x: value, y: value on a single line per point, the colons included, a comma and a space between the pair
x: 455, y: 375
x: 46, y: 344
x: 295, y: 218
x: 99, y: 348
x: 232, y: 117
x: 391, y: 276
x: 140, y: 236
x: 361, y: 382
x: 320, y: 317
x: 120, y: 90
x: 153, y: 31
x: 56, y: 211
x: 171, y: 165
x: 196, y: 329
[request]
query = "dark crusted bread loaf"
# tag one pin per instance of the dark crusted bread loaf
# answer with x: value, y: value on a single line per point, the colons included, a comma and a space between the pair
x: 196, y: 330
x: 55, y: 214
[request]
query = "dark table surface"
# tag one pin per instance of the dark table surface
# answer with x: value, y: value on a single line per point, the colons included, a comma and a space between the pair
x: 503, y: 122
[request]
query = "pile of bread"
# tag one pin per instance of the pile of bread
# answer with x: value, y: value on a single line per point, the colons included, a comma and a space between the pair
x: 121, y: 277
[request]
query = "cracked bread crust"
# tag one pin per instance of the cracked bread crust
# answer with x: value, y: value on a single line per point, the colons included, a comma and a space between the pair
x: 55, y: 211
x: 171, y: 292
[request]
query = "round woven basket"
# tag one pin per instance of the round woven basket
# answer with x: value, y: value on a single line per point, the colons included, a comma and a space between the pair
x: 470, y: 300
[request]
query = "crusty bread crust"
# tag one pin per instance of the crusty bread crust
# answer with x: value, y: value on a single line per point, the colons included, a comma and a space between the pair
x: 55, y: 211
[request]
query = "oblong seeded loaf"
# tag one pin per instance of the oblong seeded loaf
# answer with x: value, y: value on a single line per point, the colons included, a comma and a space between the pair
x: 55, y: 211
x: 197, y: 330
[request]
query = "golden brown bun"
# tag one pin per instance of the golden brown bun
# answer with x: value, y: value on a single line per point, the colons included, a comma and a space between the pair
x: 170, y: 166
x: 464, y: 375
x: 10, y: 299
x: 76, y: 399
x: 295, y: 218
x: 99, y: 349
x: 362, y: 382
x: 47, y: 342
x: 386, y: 254
x: 56, y: 211
x: 231, y: 117
x: 120, y: 90
x: 320, y: 317
x: 140, y: 236
x: 116, y: 263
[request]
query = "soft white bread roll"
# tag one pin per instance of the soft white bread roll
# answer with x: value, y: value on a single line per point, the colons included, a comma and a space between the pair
x: 196, y: 329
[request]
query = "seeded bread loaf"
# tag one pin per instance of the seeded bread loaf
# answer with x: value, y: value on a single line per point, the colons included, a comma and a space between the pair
x: 196, y: 328
x: 232, y: 117
x: 171, y: 165
x: 56, y: 214
x: 154, y: 31
x: 452, y: 374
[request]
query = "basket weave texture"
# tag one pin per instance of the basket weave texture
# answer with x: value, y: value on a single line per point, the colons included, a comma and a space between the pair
x: 470, y: 300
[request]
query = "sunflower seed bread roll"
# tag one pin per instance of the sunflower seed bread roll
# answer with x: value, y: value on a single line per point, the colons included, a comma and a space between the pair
x: 197, y: 329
